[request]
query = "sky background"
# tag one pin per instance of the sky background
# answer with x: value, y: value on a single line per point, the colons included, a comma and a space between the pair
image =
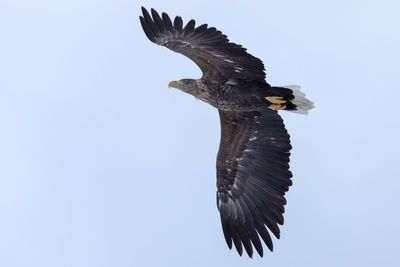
x: 102, y: 165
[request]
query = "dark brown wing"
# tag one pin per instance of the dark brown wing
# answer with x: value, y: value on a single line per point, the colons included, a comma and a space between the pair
x: 210, y: 49
x: 252, y: 177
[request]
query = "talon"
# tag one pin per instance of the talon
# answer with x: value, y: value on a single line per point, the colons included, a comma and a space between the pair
x: 276, y: 99
x: 277, y: 107
x: 277, y: 102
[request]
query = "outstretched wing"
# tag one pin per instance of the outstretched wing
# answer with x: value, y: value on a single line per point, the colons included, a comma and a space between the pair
x: 252, y: 177
x: 218, y: 58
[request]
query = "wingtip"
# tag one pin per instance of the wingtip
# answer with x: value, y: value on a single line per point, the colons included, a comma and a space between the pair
x: 143, y: 9
x: 258, y: 246
x: 145, y: 12
x: 152, y: 10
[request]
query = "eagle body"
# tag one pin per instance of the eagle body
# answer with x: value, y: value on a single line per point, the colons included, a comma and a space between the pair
x: 253, y: 158
x: 236, y: 95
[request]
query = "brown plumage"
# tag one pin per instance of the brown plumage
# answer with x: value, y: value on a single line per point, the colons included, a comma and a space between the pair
x: 253, y: 159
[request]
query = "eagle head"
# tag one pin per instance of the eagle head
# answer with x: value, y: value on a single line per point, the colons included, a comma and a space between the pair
x: 186, y: 85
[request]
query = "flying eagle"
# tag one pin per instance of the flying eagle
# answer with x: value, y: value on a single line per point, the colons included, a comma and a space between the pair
x: 253, y: 159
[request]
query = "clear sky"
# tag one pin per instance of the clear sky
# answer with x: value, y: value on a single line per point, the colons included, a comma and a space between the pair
x: 102, y: 165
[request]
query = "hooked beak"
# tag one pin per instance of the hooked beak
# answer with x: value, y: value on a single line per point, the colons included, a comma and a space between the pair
x: 173, y: 84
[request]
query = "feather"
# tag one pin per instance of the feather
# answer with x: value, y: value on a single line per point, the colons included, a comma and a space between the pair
x: 147, y: 30
x: 200, y: 29
x: 189, y: 28
x: 236, y: 238
x: 149, y: 22
x: 158, y: 21
x: 227, y: 233
x: 167, y: 22
x: 262, y: 231
x: 245, y: 240
x: 178, y: 23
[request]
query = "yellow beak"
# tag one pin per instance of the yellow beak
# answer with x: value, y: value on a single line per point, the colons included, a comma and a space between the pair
x: 173, y: 84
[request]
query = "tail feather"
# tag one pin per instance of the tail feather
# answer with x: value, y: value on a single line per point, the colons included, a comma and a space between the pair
x: 303, y: 105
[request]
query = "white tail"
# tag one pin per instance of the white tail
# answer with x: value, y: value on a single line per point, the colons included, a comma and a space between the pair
x: 302, y: 103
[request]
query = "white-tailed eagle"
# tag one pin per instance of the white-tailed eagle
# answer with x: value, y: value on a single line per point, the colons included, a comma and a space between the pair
x: 253, y: 160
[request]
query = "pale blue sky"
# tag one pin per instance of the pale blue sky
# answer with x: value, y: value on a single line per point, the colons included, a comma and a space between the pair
x: 102, y: 165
